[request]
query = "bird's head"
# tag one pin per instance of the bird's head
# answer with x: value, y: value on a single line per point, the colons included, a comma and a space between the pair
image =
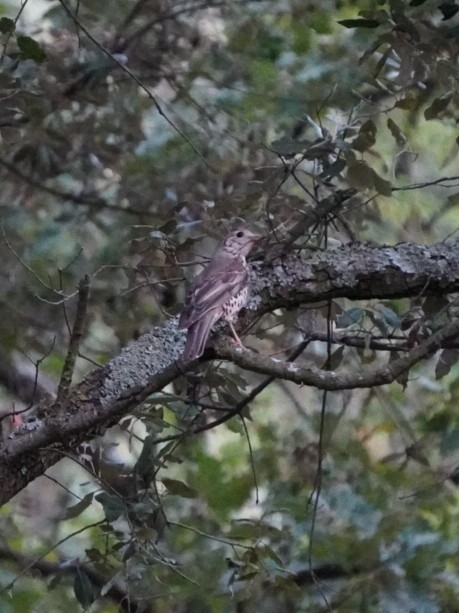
x: 241, y: 241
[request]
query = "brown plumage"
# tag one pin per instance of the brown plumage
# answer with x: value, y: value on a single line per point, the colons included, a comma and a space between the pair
x: 220, y: 290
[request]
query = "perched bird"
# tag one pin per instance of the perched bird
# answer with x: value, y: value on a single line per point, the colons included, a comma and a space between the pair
x: 220, y: 290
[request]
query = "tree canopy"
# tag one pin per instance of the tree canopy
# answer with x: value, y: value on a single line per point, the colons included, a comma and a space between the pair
x: 314, y: 470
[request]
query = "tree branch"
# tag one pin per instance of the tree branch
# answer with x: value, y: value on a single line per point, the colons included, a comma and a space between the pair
x: 152, y: 362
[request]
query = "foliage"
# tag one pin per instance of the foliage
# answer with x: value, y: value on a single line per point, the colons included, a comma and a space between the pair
x: 132, y: 140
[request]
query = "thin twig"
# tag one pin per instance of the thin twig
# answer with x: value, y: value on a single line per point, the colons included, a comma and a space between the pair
x: 75, y: 339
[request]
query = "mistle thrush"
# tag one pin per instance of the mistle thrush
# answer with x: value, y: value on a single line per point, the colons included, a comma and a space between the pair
x: 220, y: 290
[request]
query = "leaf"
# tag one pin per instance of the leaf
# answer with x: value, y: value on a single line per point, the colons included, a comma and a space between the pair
x: 113, y: 505
x: 433, y: 306
x: 390, y: 317
x: 438, y: 106
x: 30, y: 49
x: 349, y: 317
x: 289, y: 147
x: 409, y: 103
x: 382, y: 186
x: 446, y: 359
x: 178, y: 488
x: 84, y: 590
x: 449, y: 9
x: 403, y: 377
x: 7, y: 25
x: 334, y: 169
x: 336, y: 358
x: 366, y: 137
x: 398, y: 135
x: 360, y: 175
x: 79, y: 507
x: 359, y: 23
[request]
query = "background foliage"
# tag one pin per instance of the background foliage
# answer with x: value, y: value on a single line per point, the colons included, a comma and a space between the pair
x: 134, y: 135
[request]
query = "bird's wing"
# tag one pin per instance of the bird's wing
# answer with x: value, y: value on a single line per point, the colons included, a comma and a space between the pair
x: 211, y: 290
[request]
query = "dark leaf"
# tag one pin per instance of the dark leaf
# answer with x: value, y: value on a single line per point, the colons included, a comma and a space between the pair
x: 83, y: 588
x: 7, y: 25
x: 79, y: 507
x: 398, y: 135
x: 336, y: 358
x: 437, y: 106
x: 449, y: 9
x: 366, y: 137
x: 334, y: 169
x: 409, y: 103
x: 447, y: 359
x: 113, y: 505
x: 30, y: 49
x: 382, y: 186
x: 178, y: 488
x: 359, y: 23
x: 145, y: 466
x: 433, y: 306
x: 403, y: 377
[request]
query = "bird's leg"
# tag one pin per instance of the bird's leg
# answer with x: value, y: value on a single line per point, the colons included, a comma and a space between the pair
x: 234, y: 333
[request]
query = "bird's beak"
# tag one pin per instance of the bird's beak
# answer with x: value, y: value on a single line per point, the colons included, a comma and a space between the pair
x: 255, y: 238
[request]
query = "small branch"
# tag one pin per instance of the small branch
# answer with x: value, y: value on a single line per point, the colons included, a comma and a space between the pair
x: 143, y: 87
x: 66, y: 567
x: 333, y: 381
x: 75, y: 339
x: 91, y: 200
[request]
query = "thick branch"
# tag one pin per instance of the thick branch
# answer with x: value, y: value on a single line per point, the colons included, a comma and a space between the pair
x: 149, y: 364
x: 357, y: 272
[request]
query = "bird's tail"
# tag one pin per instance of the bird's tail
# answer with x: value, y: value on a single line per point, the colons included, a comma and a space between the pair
x: 197, y: 336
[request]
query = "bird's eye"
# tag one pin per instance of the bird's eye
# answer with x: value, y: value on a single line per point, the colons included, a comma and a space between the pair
x: 240, y: 234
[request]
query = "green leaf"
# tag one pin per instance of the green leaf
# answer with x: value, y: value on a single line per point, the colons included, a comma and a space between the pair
x: 360, y: 175
x: 113, y: 505
x: 84, y: 590
x: 30, y: 49
x: 359, y: 23
x: 382, y: 186
x: 79, y: 507
x: 7, y: 25
x: 437, y: 106
x: 178, y: 488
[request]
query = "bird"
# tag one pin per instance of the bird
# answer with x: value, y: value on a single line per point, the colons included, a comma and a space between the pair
x: 219, y: 291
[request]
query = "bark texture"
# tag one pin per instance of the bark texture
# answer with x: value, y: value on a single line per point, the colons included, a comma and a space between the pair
x: 145, y: 367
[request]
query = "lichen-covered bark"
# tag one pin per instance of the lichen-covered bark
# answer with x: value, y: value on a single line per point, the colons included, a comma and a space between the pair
x: 150, y: 363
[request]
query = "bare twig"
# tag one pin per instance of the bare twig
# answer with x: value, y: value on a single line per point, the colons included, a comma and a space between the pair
x: 75, y: 339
